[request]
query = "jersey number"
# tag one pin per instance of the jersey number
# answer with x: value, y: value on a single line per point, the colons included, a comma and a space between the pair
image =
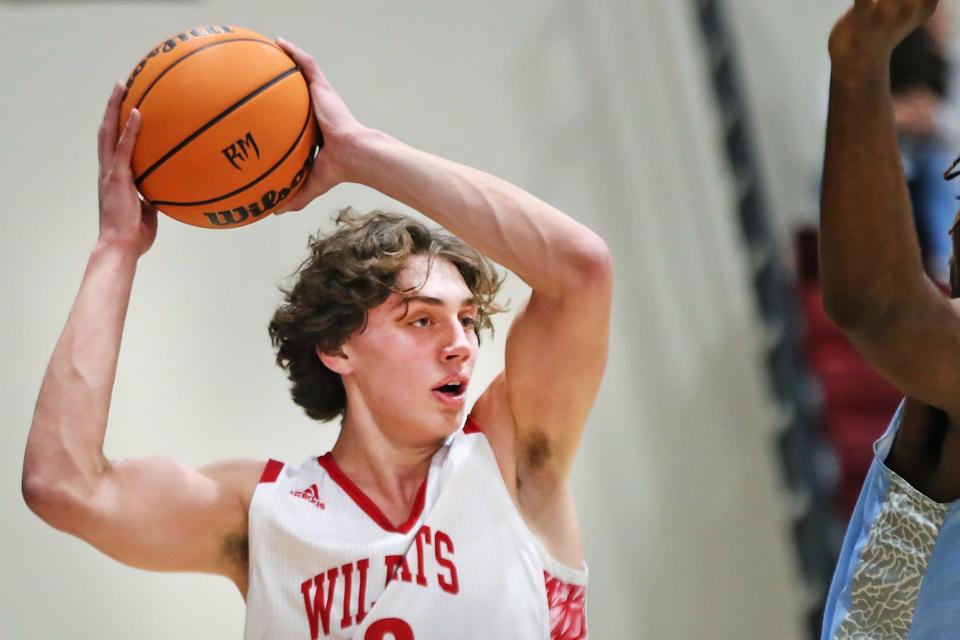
x: 395, y: 628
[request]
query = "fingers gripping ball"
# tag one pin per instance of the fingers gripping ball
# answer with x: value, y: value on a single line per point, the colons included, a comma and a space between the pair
x: 227, y: 131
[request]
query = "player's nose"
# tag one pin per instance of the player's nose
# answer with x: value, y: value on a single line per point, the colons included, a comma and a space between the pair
x: 457, y: 343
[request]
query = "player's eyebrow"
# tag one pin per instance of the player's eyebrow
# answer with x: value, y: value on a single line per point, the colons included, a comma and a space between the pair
x: 435, y: 302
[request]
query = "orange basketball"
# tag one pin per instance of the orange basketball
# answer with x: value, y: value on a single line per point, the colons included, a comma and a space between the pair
x: 227, y: 131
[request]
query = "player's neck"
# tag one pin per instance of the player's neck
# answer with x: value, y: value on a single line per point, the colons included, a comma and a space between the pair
x: 378, y: 462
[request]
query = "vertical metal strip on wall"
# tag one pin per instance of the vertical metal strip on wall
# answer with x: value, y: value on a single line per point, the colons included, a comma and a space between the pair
x: 808, y: 464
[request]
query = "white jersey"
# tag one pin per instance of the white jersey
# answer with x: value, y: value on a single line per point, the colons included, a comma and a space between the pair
x: 326, y: 563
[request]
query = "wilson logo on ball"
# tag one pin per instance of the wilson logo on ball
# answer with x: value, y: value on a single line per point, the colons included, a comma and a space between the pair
x: 245, y: 214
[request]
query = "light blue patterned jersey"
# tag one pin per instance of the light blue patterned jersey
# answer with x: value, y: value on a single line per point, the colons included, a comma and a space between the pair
x: 898, y: 577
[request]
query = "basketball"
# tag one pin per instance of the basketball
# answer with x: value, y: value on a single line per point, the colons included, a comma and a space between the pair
x: 227, y: 131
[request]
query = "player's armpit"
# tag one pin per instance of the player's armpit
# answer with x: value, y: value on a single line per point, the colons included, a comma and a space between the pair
x: 916, y: 345
x: 157, y: 514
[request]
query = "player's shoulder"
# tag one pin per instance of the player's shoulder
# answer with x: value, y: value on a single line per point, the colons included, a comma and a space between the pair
x: 240, y: 476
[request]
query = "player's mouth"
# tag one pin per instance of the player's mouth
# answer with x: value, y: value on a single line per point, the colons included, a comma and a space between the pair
x: 453, y: 391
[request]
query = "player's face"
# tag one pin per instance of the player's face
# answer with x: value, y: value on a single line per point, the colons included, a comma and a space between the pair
x: 413, y: 361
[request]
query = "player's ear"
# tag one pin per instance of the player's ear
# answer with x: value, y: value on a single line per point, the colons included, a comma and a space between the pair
x: 335, y: 360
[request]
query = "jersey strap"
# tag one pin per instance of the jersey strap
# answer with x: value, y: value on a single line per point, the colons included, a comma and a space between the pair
x: 271, y: 471
x: 471, y: 425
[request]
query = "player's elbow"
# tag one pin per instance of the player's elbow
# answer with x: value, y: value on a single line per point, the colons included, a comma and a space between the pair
x: 592, y: 264
x: 848, y: 312
x: 52, y: 498
x: 47, y: 501
x: 876, y: 306
x: 856, y: 303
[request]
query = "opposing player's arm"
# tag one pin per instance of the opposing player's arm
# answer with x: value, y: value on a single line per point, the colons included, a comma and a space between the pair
x: 874, y: 284
x: 149, y: 513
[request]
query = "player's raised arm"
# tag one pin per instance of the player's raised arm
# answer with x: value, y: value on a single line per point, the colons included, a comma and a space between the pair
x: 151, y: 513
x: 557, y: 348
x: 874, y: 285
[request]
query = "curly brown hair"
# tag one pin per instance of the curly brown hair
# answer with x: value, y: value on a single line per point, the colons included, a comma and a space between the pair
x: 348, y: 272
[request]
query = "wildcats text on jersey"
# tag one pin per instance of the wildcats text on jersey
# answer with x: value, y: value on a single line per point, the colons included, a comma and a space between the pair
x: 433, y: 570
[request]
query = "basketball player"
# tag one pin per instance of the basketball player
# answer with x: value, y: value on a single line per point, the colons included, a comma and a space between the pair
x: 897, y: 573
x: 425, y: 521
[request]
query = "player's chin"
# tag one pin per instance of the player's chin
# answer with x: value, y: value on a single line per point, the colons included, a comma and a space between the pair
x: 445, y: 418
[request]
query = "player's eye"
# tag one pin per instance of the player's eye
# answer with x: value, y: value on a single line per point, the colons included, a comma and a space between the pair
x: 421, y: 322
x: 468, y: 322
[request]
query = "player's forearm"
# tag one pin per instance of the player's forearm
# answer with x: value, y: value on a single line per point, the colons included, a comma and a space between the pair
x: 547, y: 249
x: 65, y: 445
x: 869, y: 255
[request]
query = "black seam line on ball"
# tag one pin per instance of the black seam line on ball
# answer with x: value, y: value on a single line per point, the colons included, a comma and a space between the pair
x: 266, y: 173
x: 194, y: 52
x: 247, y: 98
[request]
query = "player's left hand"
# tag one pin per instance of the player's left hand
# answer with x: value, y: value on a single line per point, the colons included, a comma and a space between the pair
x: 337, y: 126
x: 864, y: 37
x: 126, y: 220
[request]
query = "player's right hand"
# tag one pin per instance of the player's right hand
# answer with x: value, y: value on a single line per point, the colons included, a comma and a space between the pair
x: 338, y: 127
x: 126, y: 221
x: 864, y: 37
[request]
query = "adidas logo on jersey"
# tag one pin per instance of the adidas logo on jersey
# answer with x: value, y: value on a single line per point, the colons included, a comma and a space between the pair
x: 311, y: 494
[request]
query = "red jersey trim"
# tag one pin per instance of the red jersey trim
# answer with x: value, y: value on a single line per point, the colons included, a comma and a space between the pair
x: 471, y: 426
x: 271, y: 471
x: 367, y: 505
x: 568, y: 612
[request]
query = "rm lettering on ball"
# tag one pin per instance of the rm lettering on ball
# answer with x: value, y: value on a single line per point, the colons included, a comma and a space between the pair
x: 239, y: 151
x: 255, y: 209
